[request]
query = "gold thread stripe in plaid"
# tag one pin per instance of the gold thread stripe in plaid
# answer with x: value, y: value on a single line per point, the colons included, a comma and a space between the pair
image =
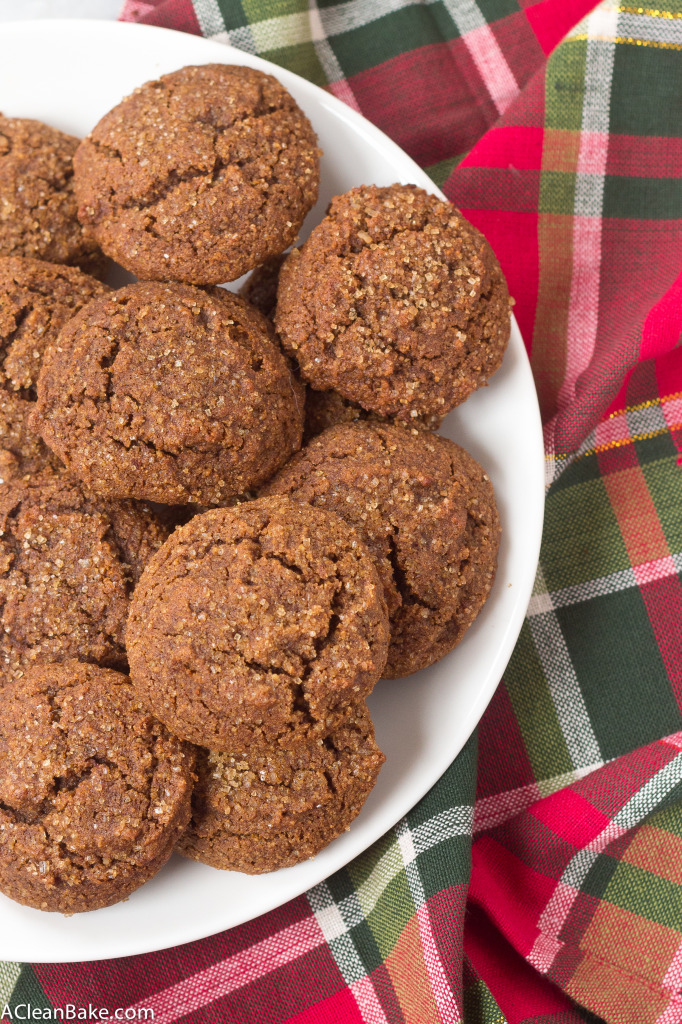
x: 650, y: 13
x: 628, y: 40
x: 639, y: 27
x: 654, y: 418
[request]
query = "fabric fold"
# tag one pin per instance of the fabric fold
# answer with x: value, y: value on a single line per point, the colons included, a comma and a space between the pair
x: 539, y: 880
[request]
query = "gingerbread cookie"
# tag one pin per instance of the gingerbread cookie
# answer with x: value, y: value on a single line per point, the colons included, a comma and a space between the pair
x: 255, y: 623
x: 396, y: 302
x: 198, y: 176
x: 94, y: 792
x: 425, y: 509
x: 168, y: 393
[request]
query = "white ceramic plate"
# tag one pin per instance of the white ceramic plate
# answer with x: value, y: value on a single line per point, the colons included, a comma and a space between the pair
x: 68, y: 74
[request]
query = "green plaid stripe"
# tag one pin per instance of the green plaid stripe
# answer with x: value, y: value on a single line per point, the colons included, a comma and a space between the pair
x: 19, y: 990
x: 329, y: 43
x: 587, y: 646
x: 9, y: 975
x: 479, y: 1004
x: 364, y: 911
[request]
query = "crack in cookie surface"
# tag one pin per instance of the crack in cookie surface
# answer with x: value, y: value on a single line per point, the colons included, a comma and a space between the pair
x: 425, y: 509
x: 36, y: 300
x: 396, y: 302
x: 68, y: 567
x: 169, y: 393
x: 101, y: 795
x: 222, y: 145
x: 257, y: 624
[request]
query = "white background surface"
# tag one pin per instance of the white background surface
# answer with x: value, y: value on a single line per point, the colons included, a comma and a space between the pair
x: 69, y: 75
x: 10, y: 10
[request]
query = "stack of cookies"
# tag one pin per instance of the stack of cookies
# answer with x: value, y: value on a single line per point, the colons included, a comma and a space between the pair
x: 195, y: 607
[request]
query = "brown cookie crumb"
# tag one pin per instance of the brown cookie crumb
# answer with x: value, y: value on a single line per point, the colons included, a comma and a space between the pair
x: 198, y: 176
x: 37, y: 201
x: 94, y: 792
x: 256, y: 622
x: 396, y: 302
x: 260, y: 812
x: 36, y: 300
x: 425, y: 509
x: 69, y: 565
x: 171, y: 394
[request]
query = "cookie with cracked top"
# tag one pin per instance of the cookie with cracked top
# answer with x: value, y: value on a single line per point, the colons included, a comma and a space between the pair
x: 69, y: 564
x: 255, y: 624
x: 94, y: 792
x: 37, y: 201
x: 198, y: 176
x: 171, y: 394
x: 257, y: 812
x: 395, y: 301
x: 36, y: 300
x: 425, y: 509
x: 322, y: 408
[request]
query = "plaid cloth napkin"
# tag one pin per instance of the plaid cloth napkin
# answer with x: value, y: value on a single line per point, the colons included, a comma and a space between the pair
x: 540, y: 880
